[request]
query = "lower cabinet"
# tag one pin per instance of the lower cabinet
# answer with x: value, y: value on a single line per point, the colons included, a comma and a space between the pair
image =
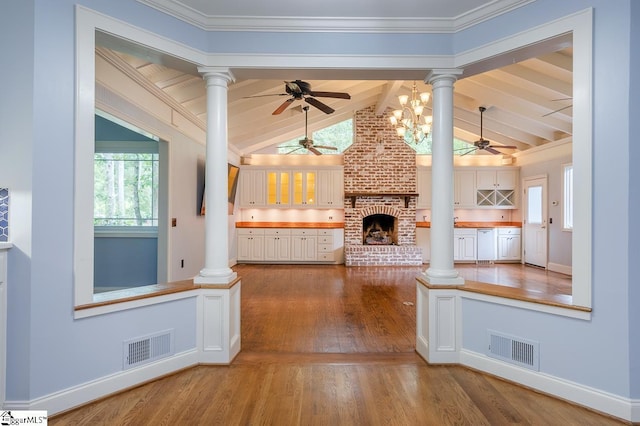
x: 423, y: 240
x: 509, y: 244
x: 294, y: 245
x: 464, y: 244
x: 250, y: 244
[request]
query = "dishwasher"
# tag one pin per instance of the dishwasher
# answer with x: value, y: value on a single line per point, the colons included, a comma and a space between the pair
x: 487, y: 245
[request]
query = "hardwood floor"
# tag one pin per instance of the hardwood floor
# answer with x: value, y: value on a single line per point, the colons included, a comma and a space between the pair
x: 329, y: 345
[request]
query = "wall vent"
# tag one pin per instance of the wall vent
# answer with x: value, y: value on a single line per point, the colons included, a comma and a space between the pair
x: 146, y: 349
x: 514, y: 350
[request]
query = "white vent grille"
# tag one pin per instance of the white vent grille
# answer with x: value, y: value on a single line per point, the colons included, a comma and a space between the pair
x: 514, y: 350
x: 143, y: 350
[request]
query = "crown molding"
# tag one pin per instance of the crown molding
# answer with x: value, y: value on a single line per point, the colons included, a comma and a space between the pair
x: 413, y: 25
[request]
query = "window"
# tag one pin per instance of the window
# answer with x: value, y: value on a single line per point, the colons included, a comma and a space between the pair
x: 567, y: 197
x: 126, y: 189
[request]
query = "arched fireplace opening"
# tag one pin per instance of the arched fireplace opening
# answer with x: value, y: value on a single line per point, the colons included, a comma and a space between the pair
x: 380, y: 229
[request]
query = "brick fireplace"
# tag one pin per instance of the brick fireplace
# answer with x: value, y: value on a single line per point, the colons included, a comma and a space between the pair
x: 380, y: 182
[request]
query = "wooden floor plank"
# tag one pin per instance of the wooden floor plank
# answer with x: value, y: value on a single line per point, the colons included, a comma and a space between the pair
x: 330, y: 345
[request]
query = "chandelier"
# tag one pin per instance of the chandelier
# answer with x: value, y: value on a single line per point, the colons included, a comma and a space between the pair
x: 410, y: 119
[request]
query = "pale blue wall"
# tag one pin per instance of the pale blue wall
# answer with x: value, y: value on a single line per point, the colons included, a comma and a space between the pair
x: 634, y: 203
x: 42, y: 330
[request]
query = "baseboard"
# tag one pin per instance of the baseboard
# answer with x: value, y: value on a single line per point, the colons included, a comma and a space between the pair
x: 82, y: 394
x: 563, y: 269
x: 604, y: 402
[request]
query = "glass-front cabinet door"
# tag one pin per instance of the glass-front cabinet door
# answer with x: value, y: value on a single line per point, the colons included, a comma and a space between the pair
x: 278, y: 193
x: 304, y: 188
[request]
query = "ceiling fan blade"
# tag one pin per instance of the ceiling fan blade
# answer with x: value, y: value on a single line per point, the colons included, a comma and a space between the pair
x: 491, y: 150
x: 469, y: 151
x: 557, y: 110
x: 282, y: 107
x: 315, y: 151
x: 333, y: 148
x: 294, y: 150
x: 262, y: 96
x: 339, y: 95
x: 503, y: 146
x: 322, y: 107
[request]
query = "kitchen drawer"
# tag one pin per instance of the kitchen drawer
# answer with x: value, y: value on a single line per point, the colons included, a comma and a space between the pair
x: 324, y: 239
x: 276, y: 231
x: 325, y: 248
x: 325, y: 257
x: 304, y: 232
x: 325, y: 231
x: 250, y: 231
x: 509, y: 231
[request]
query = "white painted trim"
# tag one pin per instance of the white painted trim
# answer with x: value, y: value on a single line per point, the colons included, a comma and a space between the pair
x: 530, y: 306
x: 563, y: 269
x: 419, y: 25
x: 605, y: 402
x: 134, y: 304
x: 81, y: 394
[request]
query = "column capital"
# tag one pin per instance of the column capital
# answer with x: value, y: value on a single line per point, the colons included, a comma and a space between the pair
x: 450, y: 74
x: 222, y: 73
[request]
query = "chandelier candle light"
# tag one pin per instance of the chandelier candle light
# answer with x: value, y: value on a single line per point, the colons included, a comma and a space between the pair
x: 408, y: 118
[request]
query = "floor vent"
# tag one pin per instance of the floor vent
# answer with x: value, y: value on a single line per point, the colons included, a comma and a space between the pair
x: 514, y: 350
x: 143, y: 350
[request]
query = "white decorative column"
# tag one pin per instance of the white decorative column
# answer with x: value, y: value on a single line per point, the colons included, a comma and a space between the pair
x: 216, y: 268
x: 438, y: 335
x: 441, y: 269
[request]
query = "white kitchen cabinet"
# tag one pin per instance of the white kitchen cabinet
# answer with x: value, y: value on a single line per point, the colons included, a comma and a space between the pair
x: 464, y: 244
x: 252, y: 188
x: 509, y: 244
x: 496, y: 178
x: 250, y: 244
x: 277, y: 245
x: 424, y: 188
x: 304, y: 188
x: 464, y: 189
x: 278, y: 188
x: 423, y: 240
x: 330, y: 188
x: 496, y: 187
x: 304, y: 245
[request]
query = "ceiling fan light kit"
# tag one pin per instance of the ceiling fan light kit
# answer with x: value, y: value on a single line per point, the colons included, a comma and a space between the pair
x: 410, y: 117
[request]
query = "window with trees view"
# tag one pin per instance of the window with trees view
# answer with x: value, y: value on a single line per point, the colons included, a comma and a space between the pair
x: 126, y: 185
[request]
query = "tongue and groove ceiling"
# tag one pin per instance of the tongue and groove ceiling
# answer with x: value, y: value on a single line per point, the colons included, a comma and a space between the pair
x: 528, y: 103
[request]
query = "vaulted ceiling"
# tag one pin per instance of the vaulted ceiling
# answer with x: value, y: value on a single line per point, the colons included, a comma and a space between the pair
x: 528, y: 103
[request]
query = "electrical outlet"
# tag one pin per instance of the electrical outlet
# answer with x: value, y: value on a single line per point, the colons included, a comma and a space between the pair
x: 330, y: 217
x: 174, y: 222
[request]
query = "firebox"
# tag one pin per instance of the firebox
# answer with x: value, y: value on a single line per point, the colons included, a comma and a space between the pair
x: 380, y: 229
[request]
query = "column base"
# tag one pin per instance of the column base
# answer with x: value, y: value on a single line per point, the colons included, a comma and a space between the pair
x: 215, y: 276
x: 442, y: 277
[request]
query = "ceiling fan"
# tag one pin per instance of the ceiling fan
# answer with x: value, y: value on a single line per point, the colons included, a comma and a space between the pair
x: 484, y: 144
x: 299, y: 89
x: 307, y: 143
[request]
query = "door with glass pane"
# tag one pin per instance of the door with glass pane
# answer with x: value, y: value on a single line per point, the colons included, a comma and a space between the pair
x: 535, y: 221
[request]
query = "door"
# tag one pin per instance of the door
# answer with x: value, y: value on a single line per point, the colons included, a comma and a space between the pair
x: 535, y: 221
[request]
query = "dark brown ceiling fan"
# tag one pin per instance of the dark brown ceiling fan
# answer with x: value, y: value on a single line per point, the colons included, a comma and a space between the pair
x: 301, y: 90
x: 307, y: 143
x: 483, y: 144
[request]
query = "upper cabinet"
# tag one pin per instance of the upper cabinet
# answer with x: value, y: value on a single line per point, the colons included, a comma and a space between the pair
x: 485, y: 187
x: 321, y: 188
x: 330, y: 188
x: 464, y: 189
x: 252, y: 188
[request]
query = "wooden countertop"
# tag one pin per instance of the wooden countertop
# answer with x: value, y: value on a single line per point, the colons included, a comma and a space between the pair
x: 476, y: 225
x: 321, y: 225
